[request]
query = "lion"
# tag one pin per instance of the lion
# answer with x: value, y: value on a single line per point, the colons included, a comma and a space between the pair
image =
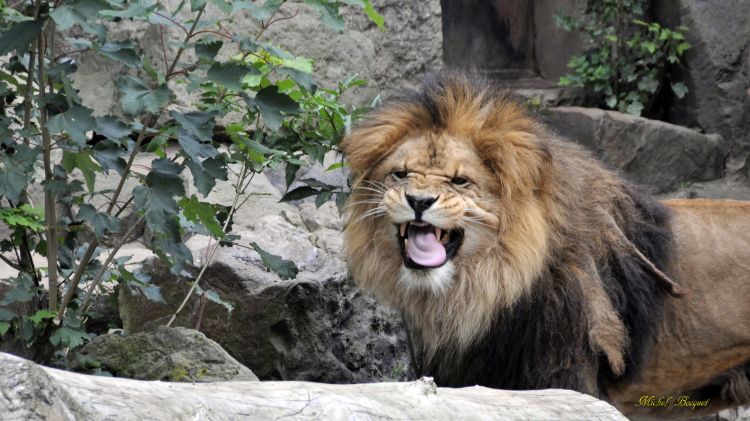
x: 518, y: 261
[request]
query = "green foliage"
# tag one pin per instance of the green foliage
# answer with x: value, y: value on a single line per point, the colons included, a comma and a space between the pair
x: 51, y: 141
x: 627, y: 61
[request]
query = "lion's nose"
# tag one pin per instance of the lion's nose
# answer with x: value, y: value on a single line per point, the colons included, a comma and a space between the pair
x: 420, y: 204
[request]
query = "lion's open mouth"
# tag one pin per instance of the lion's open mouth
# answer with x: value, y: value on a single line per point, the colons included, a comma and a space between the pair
x: 426, y: 246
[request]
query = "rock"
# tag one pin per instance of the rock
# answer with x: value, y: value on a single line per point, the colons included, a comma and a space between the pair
x: 315, y: 327
x: 730, y: 187
x: 35, y: 393
x: 659, y: 155
x: 169, y: 354
x: 402, y: 55
x: 717, y: 68
x: 554, y: 46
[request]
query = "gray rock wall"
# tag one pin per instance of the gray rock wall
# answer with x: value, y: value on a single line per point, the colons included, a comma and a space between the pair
x: 409, y: 48
x: 659, y: 155
x: 717, y: 69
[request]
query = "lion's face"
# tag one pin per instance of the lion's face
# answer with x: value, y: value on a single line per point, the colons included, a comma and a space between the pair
x: 435, y: 199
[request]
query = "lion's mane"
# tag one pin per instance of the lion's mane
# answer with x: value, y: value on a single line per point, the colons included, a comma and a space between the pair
x: 571, y: 295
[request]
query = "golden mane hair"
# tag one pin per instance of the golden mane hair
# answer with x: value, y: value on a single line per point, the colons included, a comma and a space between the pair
x: 571, y: 263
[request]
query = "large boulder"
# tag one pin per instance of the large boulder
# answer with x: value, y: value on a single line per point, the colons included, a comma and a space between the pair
x: 717, y: 69
x: 660, y: 155
x: 169, y: 354
x: 318, y: 326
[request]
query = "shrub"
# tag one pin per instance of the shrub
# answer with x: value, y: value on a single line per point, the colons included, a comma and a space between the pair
x: 627, y: 61
x: 282, y: 118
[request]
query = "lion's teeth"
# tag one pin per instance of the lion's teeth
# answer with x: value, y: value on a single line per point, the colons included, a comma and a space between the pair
x: 438, y: 232
x: 402, y: 229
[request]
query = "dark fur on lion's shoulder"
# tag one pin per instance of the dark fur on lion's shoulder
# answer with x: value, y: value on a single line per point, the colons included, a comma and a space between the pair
x: 542, y: 341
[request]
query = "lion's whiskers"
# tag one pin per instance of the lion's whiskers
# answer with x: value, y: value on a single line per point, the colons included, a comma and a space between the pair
x: 372, y: 213
x: 363, y: 202
x: 369, y: 188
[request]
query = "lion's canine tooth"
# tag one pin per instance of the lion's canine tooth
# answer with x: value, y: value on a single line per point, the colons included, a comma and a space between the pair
x: 438, y: 232
x: 402, y: 229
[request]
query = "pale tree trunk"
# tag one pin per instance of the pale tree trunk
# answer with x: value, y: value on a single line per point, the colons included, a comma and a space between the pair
x: 31, y: 392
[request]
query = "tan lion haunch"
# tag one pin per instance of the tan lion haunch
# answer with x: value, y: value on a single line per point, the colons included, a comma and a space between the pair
x: 520, y: 262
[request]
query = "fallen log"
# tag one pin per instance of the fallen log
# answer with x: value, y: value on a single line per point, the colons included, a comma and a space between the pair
x: 30, y: 392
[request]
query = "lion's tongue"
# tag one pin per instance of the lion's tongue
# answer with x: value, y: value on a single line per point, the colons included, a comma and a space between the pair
x: 424, y: 249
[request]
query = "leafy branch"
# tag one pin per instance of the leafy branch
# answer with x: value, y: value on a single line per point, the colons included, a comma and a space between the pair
x: 50, y: 138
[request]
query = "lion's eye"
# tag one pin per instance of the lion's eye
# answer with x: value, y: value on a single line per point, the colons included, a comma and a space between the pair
x: 398, y: 175
x: 459, y: 181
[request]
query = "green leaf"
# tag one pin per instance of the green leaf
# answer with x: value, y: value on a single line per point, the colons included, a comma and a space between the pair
x: 7, y: 315
x: 634, y: 108
x: 83, y: 13
x: 102, y: 222
x: 329, y: 13
x: 41, y: 315
x: 199, y: 123
x: 341, y: 199
x: 22, y: 292
x: 648, y: 84
x: 23, y: 217
x: 138, y: 97
x: 207, y: 172
x: 112, y: 128
x: 151, y: 292
x: 206, y: 49
x: 322, y: 197
x: 74, y: 122
x: 69, y: 337
x: 290, y: 172
x: 20, y: 36
x: 286, y: 269
x: 110, y: 156
x: 194, y: 147
x: 682, y: 47
x: 611, y: 101
x: 271, y: 104
x: 336, y: 166
x: 259, y: 12
x: 201, y: 212
x: 122, y: 51
x: 156, y: 198
x: 179, y: 253
x: 82, y: 160
x: 140, y: 282
x: 299, y: 193
x: 679, y: 89
x: 229, y: 75
x: 4, y: 327
x: 212, y: 296
x: 16, y: 170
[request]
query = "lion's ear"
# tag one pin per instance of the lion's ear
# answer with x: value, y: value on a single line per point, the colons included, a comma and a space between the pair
x: 520, y: 158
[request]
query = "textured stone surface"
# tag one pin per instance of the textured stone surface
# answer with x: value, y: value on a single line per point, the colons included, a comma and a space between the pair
x: 402, y: 55
x: 659, y: 155
x: 31, y: 393
x: 315, y: 327
x: 717, y: 69
x: 169, y: 354
x: 554, y: 46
